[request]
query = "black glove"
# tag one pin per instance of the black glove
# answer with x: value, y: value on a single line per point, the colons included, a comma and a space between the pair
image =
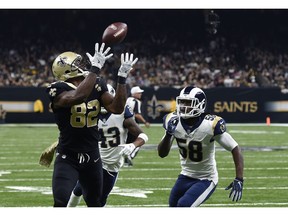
x: 236, y: 191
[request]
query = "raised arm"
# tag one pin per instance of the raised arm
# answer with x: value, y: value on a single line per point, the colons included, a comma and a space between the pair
x: 79, y: 95
x: 117, y: 104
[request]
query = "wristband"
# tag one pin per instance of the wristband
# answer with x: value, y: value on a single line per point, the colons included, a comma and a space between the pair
x: 143, y: 136
x: 239, y: 179
x: 95, y: 70
x: 121, y: 80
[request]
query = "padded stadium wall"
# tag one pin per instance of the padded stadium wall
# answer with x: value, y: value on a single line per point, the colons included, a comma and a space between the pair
x: 235, y: 105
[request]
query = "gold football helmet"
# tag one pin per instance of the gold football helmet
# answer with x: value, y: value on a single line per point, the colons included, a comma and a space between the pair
x: 67, y: 65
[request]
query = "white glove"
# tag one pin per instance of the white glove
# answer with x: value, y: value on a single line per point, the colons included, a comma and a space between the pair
x: 99, y: 58
x: 127, y: 149
x: 134, y: 153
x: 126, y: 65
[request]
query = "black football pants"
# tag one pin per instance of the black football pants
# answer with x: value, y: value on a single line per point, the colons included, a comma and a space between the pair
x: 71, y: 167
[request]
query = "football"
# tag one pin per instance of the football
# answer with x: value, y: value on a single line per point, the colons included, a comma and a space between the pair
x: 115, y: 33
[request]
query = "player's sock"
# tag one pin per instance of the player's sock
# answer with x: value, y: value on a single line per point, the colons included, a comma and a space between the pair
x: 74, y: 200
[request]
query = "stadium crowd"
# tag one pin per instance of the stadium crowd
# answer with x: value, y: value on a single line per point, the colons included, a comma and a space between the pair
x: 215, y: 65
x: 216, y: 61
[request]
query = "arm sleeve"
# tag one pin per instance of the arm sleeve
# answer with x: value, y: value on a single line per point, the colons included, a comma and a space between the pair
x: 226, y: 141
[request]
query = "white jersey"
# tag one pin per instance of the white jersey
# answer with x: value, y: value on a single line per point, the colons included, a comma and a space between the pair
x: 113, y: 134
x: 197, y: 147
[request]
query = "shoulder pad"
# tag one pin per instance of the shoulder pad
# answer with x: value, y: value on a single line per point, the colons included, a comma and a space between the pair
x: 219, y: 125
x: 57, y: 88
x: 167, y: 118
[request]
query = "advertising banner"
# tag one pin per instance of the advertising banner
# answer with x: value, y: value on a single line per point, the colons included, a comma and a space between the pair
x: 235, y: 105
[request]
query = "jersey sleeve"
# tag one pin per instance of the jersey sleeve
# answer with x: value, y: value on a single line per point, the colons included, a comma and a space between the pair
x: 226, y: 141
x: 57, y: 88
x: 222, y: 137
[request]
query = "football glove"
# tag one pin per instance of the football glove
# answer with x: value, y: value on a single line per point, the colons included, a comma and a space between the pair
x: 47, y: 155
x: 134, y: 152
x: 172, y: 124
x: 127, y: 149
x: 236, y: 189
x: 126, y: 65
x: 99, y: 58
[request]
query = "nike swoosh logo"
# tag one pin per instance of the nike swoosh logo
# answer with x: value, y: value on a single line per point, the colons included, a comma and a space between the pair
x: 95, y: 161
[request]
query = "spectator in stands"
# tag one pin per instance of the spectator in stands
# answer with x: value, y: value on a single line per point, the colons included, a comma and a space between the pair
x: 24, y: 61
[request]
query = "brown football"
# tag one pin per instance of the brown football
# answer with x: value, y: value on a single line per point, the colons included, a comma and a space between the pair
x: 115, y: 33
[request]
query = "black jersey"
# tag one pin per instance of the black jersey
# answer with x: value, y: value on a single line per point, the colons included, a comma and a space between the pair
x: 77, y: 124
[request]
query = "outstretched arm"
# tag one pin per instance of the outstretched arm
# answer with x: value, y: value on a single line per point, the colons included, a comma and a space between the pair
x: 135, y: 130
x: 131, y: 149
x: 117, y: 104
x: 77, y: 96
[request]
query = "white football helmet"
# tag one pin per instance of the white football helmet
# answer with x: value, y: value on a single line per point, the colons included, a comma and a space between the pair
x: 111, y: 91
x: 191, y: 102
x: 68, y: 65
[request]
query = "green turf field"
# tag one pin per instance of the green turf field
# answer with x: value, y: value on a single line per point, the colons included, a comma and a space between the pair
x: 24, y: 183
